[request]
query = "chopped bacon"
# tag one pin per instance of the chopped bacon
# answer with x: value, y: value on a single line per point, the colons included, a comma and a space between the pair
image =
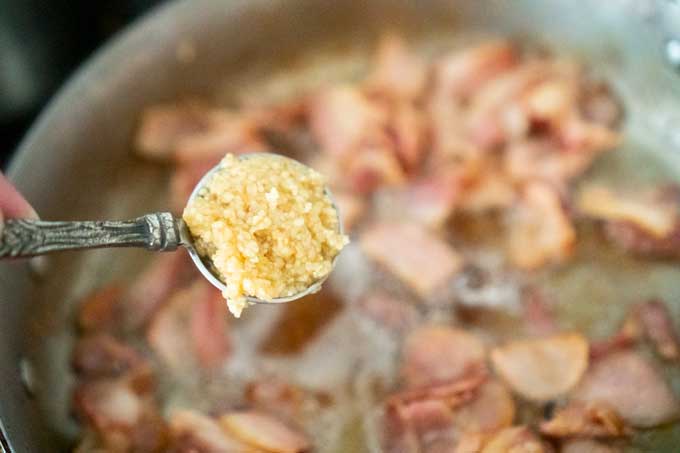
x: 496, y: 113
x: 540, y: 229
x: 152, y: 288
x: 123, y: 419
x: 648, y: 212
x: 264, y: 432
x: 516, y: 439
x: 101, y: 355
x: 432, y: 199
x: 101, y: 309
x: 579, y: 419
x: 460, y: 75
x: 544, y: 368
x: 625, y: 337
x: 487, y: 190
x: 658, y: 326
x: 588, y: 446
x: 191, y: 132
x: 194, y: 432
x: 421, y: 260
x: 407, y: 128
x: 184, y: 181
x: 438, y: 353
x: 492, y: 409
x: 341, y: 117
x: 552, y: 100
x: 275, y: 396
x: 351, y: 208
x: 234, y: 135
x: 372, y: 168
x: 538, y: 313
x: 425, y: 416
x: 577, y: 135
x: 542, y: 159
x: 397, y: 72
x: 453, y: 392
x: 392, y: 313
x: 164, y: 126
x: 632, y: 386
x: 208, y: 328
x: 636, y: 241
x: 191, y: 330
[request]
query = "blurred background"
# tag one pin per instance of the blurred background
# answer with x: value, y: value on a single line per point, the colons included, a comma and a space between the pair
x: 41, y: 44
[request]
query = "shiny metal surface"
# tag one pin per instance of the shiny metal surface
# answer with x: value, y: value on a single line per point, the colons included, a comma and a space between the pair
x: 83, y: 138
x: 22, y: 238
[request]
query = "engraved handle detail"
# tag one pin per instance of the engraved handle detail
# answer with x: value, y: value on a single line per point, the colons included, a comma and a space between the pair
x: 24, y: 238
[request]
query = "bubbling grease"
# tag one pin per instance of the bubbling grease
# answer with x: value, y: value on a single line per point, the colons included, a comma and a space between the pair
x: 267, y: 225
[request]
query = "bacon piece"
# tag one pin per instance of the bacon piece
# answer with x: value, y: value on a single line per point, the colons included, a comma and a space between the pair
x: 542, y: 369
x: 264, y: 432
x: 191, y: 330
x: 123, y: 419
x: 208, y: 327
x: 552, y: 100
x: 491, y: 410
x: 540, y: 230
x: 164, y: 126
x: 438, y: 353
x: 418, y: 426
x: 516, y: 439
x: 387, y: 311
x: 538, y: 314
x: 496, y: 113
x: 577, y: 135
x: 632, y: 386
x: 487, y: 189
x: 407, y: 129
x: 371, y: 168
x: 627, y: 335
x: 431, y: 199
x: 588, y: 446
x: 579, y: 419
x: 193, y: 131
x: 658, y: 326
x: 276, y: 397
x: 422, y: 419
x: 101, y: 355
x: 397, y: 72
x: 152, y: 288
x: 341, y: 117
x: 415, y: 256
x: 462, y: 74
x: 231, y: 135
x: 543, y: 159
x: 184, y: 180
x: 191, y: 431
x: 636, y: 241
x: 648, y: 212
x: 101, y: 309
x: 351, y: 208
x: 449, y: 137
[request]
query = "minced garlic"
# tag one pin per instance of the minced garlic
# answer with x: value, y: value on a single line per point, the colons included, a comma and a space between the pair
x: 267, y: 225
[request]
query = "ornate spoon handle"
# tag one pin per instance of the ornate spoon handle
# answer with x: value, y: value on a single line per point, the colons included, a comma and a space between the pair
x: 24, y: 238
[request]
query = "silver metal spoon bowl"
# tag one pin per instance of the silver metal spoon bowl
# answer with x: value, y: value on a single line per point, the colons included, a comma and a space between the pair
x: 159, y: 231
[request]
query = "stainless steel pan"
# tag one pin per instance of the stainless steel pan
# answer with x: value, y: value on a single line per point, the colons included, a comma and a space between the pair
x: 76, y: 160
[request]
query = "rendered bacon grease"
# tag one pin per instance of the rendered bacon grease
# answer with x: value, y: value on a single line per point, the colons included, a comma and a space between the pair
x: 267, y: 225
x: 464, y: 181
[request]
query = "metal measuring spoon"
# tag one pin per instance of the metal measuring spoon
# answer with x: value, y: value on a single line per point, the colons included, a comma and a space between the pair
x: 159, y: 232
